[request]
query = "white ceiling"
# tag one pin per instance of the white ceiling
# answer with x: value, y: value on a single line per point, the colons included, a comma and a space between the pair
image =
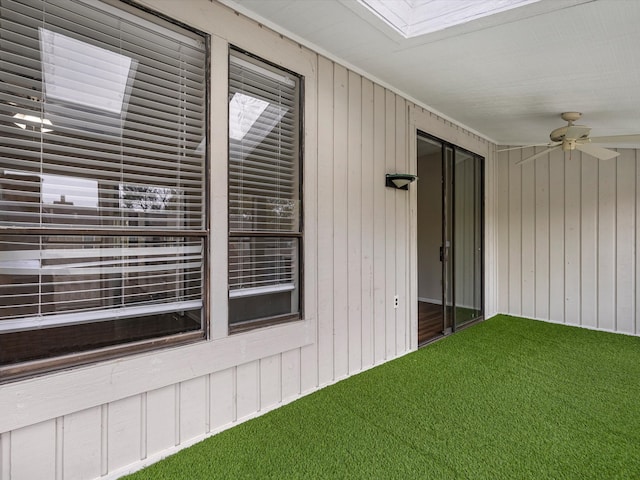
x: 507, y: 76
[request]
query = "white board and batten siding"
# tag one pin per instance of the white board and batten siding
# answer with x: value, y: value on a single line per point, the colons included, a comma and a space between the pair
x: 107, y: 419
x: 567, y: 239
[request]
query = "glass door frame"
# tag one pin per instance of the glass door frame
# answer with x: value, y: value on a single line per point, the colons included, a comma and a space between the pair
x: 448, y: 247
x: 478, y: 182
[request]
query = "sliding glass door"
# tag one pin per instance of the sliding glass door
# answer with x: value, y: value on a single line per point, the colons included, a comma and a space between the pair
x: 450, y: 220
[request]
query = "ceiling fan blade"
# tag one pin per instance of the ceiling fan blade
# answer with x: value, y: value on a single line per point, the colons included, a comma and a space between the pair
x: 598, y: 152
x: 520, y: 147
x: 537, y: 155
x: 617, y: 139
x: 575, y: 132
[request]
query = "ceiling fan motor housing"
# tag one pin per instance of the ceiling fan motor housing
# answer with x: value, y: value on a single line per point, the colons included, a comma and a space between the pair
x: 560, y: 134
x: 577, y: 132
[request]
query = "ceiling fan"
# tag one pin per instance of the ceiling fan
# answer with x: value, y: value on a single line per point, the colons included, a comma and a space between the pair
x: 576, y: 137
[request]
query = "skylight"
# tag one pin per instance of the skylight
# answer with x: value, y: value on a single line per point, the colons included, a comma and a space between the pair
x: 412, y: 18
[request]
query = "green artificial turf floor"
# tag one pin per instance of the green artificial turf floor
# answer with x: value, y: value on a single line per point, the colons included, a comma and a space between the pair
x: 508, y: 398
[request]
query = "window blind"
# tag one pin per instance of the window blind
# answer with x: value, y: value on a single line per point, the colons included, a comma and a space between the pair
x: 263, y: 149
x: 264, y: 190
x: 261, y: 265
x: 123, y: 106
x: 102, y: 165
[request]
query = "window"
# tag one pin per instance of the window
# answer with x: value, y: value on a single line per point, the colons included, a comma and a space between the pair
x: 265, y: 228
x: 102, y: 192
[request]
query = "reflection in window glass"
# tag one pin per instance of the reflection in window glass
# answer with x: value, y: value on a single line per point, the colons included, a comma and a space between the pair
x: 102, y: 195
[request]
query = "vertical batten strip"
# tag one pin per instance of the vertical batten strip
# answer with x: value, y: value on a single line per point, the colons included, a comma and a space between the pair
x: 309, y: 354
x: 143, y: 426
x: 176, y: 410
x: 636, y: 330
x: 340, y: 222
x: 59, y: 448
x: 572, y: 238
x: 390, y: 226
x: 412, y: 227
x: 354, y: 223
x: 492, y: 242
x: 207, y: 404
x: 5, y: 456
x: 401, y: 227
x: 379, y: 222
x: 367, y: 224
x: 234, y: 394
x: 104, y: 443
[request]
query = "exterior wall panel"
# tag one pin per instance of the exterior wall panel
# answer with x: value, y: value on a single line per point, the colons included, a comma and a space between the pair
x: 589, y: 242
x: 341, y: 189
x: 625, y: 242
x: 40, y: 438
x: 401, y: 230
x: 515, y: 233
x: 367, y: 220
x: 161, y: 427
x: 572, y: 199
x: 222, y: 406
x: 556, y: 236
x: 541, y: 262
x: 528, y: 240
x: 355, y: 253
x: 193, y: 408
x: 325, y: 219
x: 586, y: 233
x: 380, y: 247
x: 390, y: 234
x: 81, y: 444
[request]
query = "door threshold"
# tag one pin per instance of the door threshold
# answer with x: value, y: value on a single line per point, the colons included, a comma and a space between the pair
x: 450, y: 331
x: 432, y: 340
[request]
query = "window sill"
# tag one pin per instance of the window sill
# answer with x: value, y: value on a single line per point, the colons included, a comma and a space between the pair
x: 36, y: 399
x: 25, y: 370
x: 255, y: 291
x: 263, y: 322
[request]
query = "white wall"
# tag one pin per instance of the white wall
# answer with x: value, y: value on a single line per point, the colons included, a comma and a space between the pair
x: 567, y: 239
x: 107, y: 419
